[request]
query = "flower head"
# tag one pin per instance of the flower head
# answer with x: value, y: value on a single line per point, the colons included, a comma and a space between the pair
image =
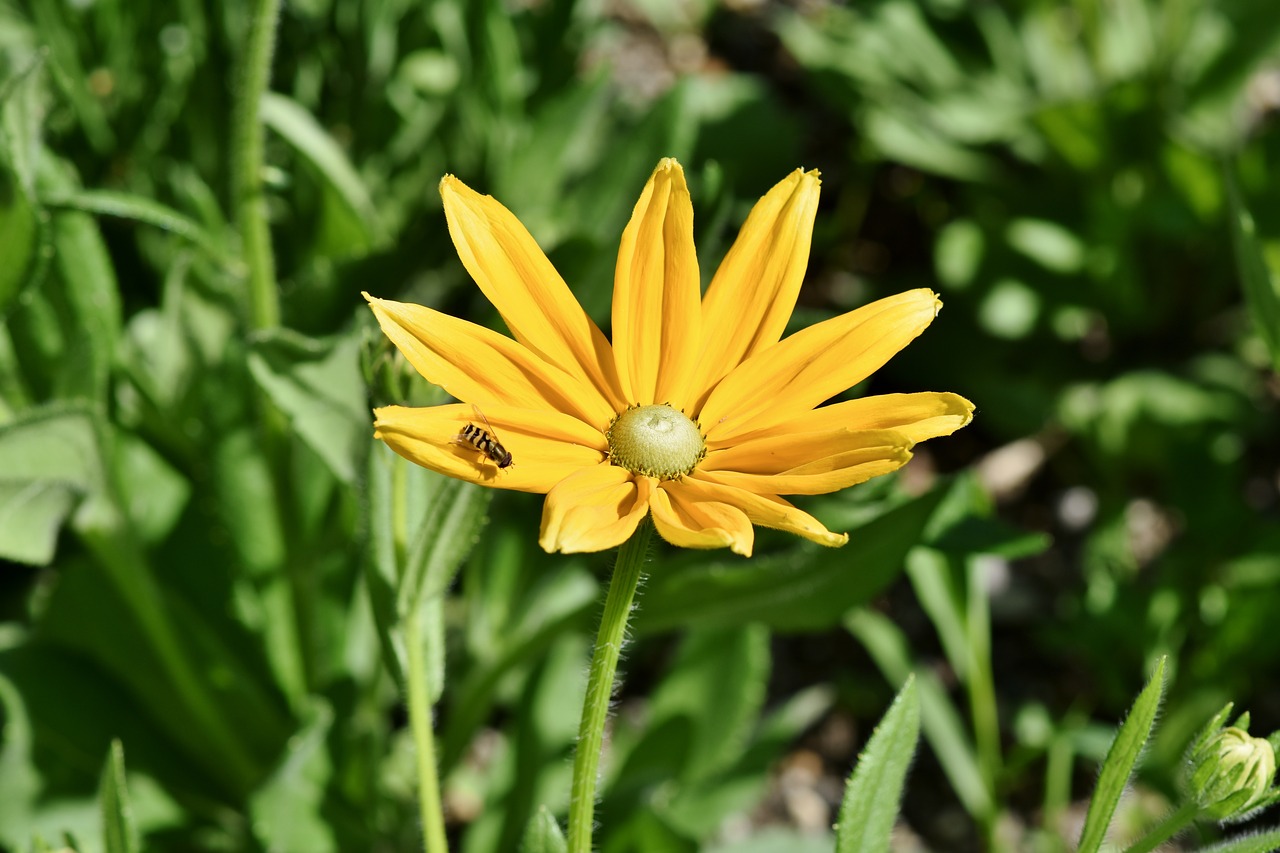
x: 698, y: 413
x: 1231, y: 772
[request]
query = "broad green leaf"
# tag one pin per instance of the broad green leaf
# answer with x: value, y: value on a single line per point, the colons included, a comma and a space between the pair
x: 301, y: 130
x: 1261, y: 283
x: 31, y: 514
x: 317, y: 384
x: 942, y: 725
x: 152, y: 492
x: 543, y: 834
x: 1120, y: 762
x: 872, y: 798
x: 808, y: 593
x: 139, y: 209
x: 119, y: 830
x: 287, y: 808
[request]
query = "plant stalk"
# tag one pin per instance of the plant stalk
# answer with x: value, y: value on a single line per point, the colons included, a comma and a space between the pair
x: 604, y: 665
x: 433, y: 836
x: 250, y: 202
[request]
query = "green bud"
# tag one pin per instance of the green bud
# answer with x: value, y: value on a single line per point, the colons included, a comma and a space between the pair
x: 1231, y: 773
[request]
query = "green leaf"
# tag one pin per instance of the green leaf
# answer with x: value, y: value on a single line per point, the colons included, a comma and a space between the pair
x: 445, y: 537
x: 287, y: 808
x: 31, y: 514
x: 139, y: 209
x: 301, y: 130
x: 1120, y: 762
x: 543, y: 834
x: 808, y: 593
x: 22, y: 235
x: 1261, y: 284
x: 119, y: 831
x: 19, y: 779
x: 943, y: 728
x: 872, y: 798
x: 317, y: 384
x: 1260, y: 842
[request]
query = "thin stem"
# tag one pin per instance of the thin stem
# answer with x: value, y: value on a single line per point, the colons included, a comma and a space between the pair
x: 1169, y: 827
x: 433, y: 837
x: 246, y: 163
x: 604, y: 665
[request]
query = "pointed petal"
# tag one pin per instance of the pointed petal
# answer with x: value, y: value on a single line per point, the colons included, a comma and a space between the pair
x: 754, y: 290
x: 829, y: 474
x: 656, y: 293
x: 814, y: 364
x: 686, y: 520
x: 764, y: 510
x: 594, y: 509
x: 545, y: 446
x: 480, y: 366
x: 920, y: 416
x: 804, y: 452
x: 532, y: 298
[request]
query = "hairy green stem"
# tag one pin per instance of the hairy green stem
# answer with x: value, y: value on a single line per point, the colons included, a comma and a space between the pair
x: 246, y: 152
x: 433, y: 837
x: 1174, y: 823
x: 604, y: 665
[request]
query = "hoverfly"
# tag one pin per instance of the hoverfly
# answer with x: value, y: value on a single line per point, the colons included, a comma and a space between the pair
x: 485, y: 441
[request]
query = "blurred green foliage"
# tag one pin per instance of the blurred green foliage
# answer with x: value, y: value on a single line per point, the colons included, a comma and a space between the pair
x: 1089, y: 184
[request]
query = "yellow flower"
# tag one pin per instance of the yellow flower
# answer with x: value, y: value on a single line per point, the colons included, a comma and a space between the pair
x: 699, y: 413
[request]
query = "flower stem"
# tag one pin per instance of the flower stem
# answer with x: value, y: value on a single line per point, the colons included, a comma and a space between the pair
x: 433, y: 837
x: 246, y: 152
x: 1174, y: 823
x: 604, y: 665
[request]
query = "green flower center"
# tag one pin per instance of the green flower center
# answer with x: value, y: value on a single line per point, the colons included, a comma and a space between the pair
x: 656, y: 441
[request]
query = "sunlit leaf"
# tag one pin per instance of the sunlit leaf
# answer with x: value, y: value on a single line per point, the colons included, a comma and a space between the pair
x: 1120, y: 762
x: 871, y: 800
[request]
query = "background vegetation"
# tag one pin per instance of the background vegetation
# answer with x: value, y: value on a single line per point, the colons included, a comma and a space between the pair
x: 224, y: 591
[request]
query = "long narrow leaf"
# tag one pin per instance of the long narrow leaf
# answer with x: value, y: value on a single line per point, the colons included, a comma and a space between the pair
x: 1120, y: 762
x: 119, y: 832
x: 138, y: 209
x: 942, y: 725
x: 875, y: 790
x: 1261, y: 284
x: 1261, y: 842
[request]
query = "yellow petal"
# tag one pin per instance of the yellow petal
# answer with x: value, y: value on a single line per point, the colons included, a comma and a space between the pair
x: 483, y: 367
x: 920, y: 416
x: 685, y: 520
x: 594, y: 509
x: 656, y: 293
x: 777, y: 454
x: 828, y: 474
x: 814, y: 364
x: 765, y: 510
x: 545, y: 446
x: 532, y: 298
x: 754, y: 290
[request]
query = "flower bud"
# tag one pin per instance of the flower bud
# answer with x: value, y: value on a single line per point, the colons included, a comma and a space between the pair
x: 1231, y: 773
